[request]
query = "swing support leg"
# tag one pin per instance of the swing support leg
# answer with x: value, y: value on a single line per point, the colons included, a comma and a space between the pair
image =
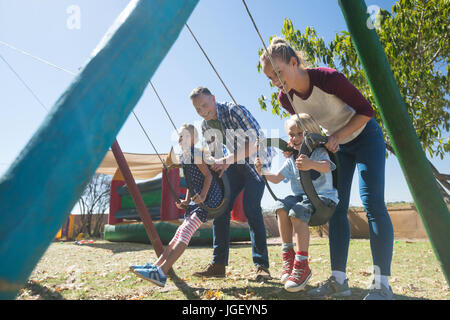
x: 137, y: 198
x: 47, y: 178
x: 427, y: 197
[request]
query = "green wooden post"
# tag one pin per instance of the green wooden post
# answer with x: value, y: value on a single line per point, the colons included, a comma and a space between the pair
x: 412, y: 159
x: 45, y: 181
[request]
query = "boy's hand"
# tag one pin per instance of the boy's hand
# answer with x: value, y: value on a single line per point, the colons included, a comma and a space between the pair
x: 304, y: 163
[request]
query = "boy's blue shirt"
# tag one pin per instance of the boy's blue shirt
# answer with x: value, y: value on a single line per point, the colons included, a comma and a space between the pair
x: 323, y: 182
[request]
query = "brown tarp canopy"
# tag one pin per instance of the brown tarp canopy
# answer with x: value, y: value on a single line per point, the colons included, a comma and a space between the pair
x: 142, y: 166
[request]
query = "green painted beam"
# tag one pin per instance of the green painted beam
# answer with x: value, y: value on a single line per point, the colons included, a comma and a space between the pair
x: 41, y: 187
x: 421, y: 182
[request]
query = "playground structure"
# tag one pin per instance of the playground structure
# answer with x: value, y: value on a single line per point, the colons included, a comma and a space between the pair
x: 120, y: 69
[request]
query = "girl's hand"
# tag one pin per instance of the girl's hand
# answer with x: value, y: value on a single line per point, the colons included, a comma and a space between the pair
x: 332, y: 144
x: 198, y: 198
x: 182, y: 204
x: 304, y: 163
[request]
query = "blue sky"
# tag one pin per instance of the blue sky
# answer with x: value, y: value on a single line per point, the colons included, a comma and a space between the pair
x: 40, y: 27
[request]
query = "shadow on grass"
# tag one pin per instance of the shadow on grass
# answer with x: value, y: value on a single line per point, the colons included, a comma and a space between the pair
x: 271, y: 290
x: 187, y: 290
x: 275, y: 291
x: 43, y: 293
x: 119, y: 247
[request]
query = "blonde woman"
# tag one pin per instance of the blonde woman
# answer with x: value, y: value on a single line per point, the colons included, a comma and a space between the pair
x: 294, y: 211
x: 347, y: 119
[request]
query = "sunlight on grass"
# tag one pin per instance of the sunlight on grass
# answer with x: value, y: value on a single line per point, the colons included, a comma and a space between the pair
x: 101, y: 271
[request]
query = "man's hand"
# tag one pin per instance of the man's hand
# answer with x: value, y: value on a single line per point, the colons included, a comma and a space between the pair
x: 219, y: 166
x: 258, y: 165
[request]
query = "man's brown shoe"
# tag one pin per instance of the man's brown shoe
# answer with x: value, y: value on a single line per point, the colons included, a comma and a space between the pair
x: 262, y: 274
x: 212, y: 270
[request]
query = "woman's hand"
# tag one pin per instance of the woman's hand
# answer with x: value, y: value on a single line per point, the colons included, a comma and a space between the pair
x: 198, y: 198
x: 332, y: 144
x: 288, y: 154
x: 303, y: 162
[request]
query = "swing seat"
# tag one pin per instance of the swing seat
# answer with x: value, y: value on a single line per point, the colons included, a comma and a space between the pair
x: 225, y: 186
x: 322, y: 212
x: 172, y: 161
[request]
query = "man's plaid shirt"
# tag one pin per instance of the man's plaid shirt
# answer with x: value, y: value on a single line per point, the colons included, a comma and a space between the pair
x: 237, y: 124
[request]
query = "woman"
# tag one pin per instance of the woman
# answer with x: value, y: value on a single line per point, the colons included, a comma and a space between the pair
x: 347, y: 119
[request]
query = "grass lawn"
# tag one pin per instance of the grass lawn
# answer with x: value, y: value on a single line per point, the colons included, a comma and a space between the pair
x: 100, y: 271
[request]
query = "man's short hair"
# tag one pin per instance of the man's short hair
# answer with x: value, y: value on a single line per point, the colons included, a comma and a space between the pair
x: 198, y: 91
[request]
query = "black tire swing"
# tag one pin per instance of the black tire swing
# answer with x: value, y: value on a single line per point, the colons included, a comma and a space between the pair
x: 322, y: 212
x: 226, y: 191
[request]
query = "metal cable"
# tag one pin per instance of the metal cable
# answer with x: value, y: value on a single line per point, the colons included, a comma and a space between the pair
x: 270, y: 57
x: 24, y: 83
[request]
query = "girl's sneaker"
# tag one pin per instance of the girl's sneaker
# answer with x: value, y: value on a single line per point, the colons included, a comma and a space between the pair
x: 288, y: 264
x: 151, y: 275
x: 148, y: 265
x: 299, y: 277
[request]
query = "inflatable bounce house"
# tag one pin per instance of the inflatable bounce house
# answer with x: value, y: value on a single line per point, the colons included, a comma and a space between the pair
x: 124, y: 222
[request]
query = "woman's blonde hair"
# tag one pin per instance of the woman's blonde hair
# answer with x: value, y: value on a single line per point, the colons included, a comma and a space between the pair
x: 191, y: 129
x: 280, y: 49
x: 304, y: 122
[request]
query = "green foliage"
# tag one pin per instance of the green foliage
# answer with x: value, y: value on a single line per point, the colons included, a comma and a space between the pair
x: 416, y: 42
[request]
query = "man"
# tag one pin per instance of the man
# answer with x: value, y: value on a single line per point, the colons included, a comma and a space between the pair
x: 235, y: 127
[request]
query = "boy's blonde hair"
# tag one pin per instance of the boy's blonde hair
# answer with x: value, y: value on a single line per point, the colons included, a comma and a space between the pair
x: 191, y: 129
x: 304, y: 122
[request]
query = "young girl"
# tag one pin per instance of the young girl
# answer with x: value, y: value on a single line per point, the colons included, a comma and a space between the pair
x: 203, y: 188
x: 347, y: 119
x: 294, y: 211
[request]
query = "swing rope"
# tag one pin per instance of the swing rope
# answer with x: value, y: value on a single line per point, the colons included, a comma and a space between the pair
x: 270, y: 56
x: 24, y: 83
x: 213, y: 212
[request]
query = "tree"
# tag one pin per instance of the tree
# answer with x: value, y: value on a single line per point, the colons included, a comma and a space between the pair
x: 94, y: 200
x: 415, y: 38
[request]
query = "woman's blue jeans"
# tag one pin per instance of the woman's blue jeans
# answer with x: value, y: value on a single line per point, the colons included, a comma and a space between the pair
x: 240, y: 177
x: 367, y: 153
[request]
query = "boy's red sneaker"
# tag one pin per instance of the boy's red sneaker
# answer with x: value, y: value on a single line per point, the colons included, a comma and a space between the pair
x: 299, y: 276
x: 288, y: 264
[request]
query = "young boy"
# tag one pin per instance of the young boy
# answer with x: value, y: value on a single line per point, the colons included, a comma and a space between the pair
x: 294, y: 211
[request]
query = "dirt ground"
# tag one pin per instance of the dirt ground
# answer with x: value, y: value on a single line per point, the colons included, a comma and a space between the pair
x: 100, y: 270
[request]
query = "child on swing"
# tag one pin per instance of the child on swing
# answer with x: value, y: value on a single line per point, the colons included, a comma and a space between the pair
x: 204, y: 188
x: 294, y: 211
